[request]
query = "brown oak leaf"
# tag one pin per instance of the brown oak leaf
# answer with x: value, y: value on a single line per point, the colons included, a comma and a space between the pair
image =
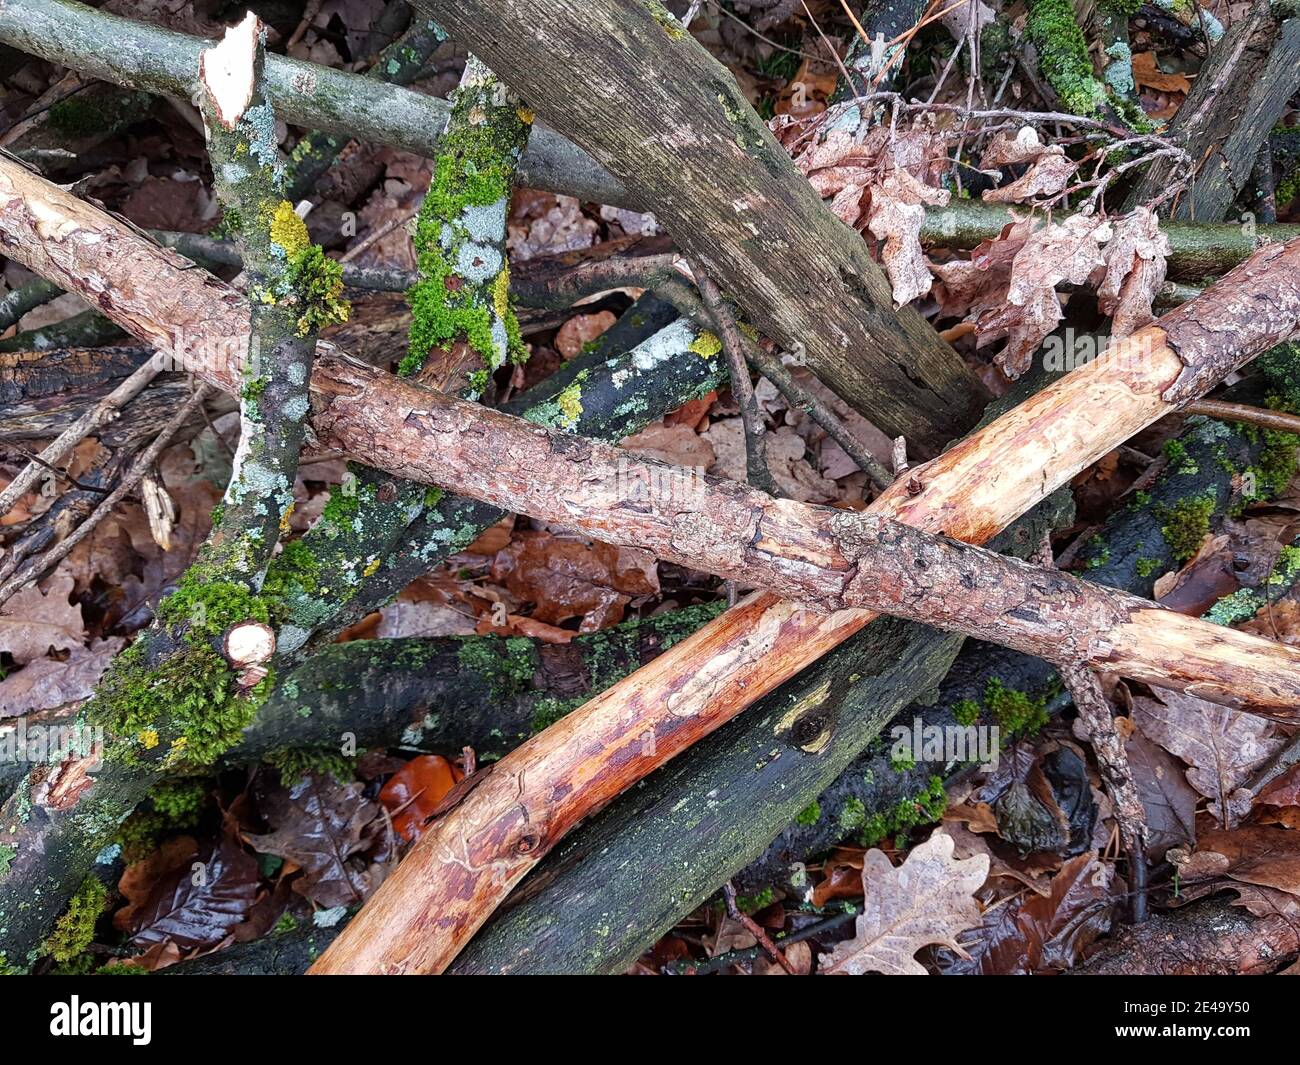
x: 1135, y: 270
x: 929, y: 899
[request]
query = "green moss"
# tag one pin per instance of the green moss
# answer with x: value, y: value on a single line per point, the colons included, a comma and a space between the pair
x: 101, y: 110
x: 294, y: 570
x: 1146, y: 566
x: 549, y: 709
x: 1014, y: 711
x: 297, y: 762
x: 316, y: 283
x: 853, y: 815
x: 74, y: 931
x: 966, y: 712
x: 1063, y: 57
x: 1186, y: 524
x: 118, y: 968
x: 809, y: 815
x: 1179, y: 460
x: 1276, y: 464
x: 753, y: 903
x: 902, y: 764
x: 1101, y: 553
x: 463, y: 291
x: 924, y: 808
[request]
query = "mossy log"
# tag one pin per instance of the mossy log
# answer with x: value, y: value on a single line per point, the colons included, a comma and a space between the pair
x: 488, y: 692
x: 729, y: 194
x: 663, y: 848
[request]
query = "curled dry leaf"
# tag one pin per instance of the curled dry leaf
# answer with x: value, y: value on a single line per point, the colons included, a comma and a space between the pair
x: 1135, y: 271
x: 929, y: 899
x: 45, y: 683
x: 1049, y: 168
x: 1057, y: 253
x: 895, y: 216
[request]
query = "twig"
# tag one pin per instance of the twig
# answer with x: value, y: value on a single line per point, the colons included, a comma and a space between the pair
x: 755, y: 929
x: 771, y: 367
x: 130, y: 479
x: 1241, y: 412
x: 98, y: 415
x: 1097, y: 719
x: 751, y: 415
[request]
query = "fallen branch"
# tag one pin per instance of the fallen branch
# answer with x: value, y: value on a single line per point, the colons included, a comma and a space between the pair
x: 146, y: 57
x: 1120, y: 391
x: 730, y: 196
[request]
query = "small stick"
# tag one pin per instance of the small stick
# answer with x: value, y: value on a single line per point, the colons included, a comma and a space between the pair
x: 759, y: 476
x: 755, y: 929
x: 138, y: 469
x: 100, y: 414
x: 1116, y: 773
x: 1240, y: 412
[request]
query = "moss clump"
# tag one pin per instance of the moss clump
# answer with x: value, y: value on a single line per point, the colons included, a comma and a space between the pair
x: 549, y: 709
x: 1280, y: 367
x: 1121, y: 8
x: 295, y: 569
x: 1014, y: 711
x: 1100, y: 555
x: 187, y: 699
x: 1276, y: 464
x: 296, y: 763
x: 463, y: 291
x: 74, y: 931
x: 316, y: 281
x: 1179, y: 460
x: 1186, y: 524
x: 810, y: 814
x: 1146, y: 566
x: 966, y: 712
x: 1063, y: 55
x: 924, y: 808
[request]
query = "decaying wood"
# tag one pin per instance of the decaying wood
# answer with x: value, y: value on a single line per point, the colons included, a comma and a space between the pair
x: 1237, y: 97
x: 146, y: 57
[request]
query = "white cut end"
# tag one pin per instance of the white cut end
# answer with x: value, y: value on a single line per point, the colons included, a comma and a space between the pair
x: 226, y: 70
x: 249, y: 643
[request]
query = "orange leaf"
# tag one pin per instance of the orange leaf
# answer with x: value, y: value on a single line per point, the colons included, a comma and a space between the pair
x: 1147, y: 72
x: 413, y: 792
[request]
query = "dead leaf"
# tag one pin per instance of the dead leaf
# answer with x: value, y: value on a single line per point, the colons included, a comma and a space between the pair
x: 1057, y: 253
x: 581, y: 329
x: 1147, y: 72
x: 34, y: 622
x: 321, y: 825
x: 1221, y: 746
x: 1049, y: 170
x: 1135, y: 271
x: 1167, y: 797
x: 568, y: 577
x: 46, y: 683
x: 928, y: 900
x: 414, y: 792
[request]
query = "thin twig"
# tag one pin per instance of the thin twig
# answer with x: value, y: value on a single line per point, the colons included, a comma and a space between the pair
x: 755, y: 929
x: 1240, y: 412
x: 1095, y: 714
x: 98, y: 415
x: 751, y: 415
x: 44, y: 563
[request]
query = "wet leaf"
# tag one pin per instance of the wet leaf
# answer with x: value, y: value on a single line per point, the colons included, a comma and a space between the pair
x: 36, y: 621
x: 321, y: 825
x: 46, y: 683
x: 414, y: 791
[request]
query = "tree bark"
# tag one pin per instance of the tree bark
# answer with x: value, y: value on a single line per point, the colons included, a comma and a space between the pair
x: 970, y: 490
x: 696, y: 154
x: 1238, y: 96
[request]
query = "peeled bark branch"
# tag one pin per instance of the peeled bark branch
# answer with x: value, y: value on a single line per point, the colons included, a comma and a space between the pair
x: 970, y: 491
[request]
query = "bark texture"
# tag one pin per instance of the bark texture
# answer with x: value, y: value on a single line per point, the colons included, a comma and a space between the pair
x: 698, y: 156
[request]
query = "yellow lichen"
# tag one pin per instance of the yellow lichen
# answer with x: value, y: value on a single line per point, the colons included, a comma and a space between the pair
x: 149, y: 738
x: 706, y: 345
x: 288, y: 230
